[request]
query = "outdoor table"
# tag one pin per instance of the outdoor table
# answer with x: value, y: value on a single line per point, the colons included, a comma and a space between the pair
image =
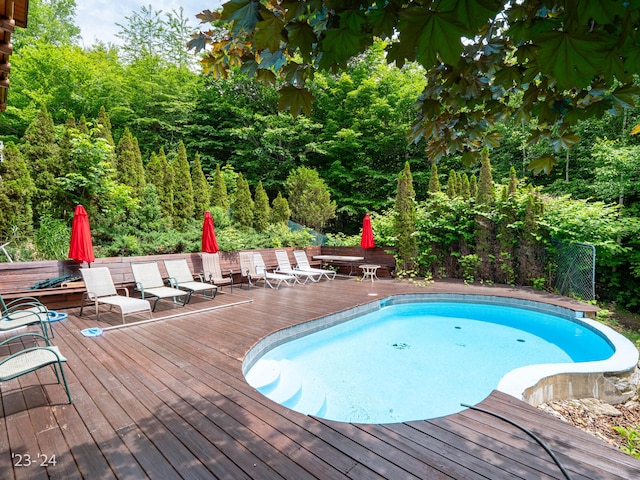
x: 339, y: 258
x: 369, y: 271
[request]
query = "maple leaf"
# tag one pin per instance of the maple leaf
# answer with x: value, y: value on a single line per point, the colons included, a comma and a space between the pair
x: 244, y: 14
x: 295, y: 99
x: 269, y: 33
x: 542, y: 164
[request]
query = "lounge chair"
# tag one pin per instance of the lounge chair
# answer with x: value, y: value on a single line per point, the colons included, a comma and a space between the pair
x: 20, y: 312
x: 101, y: 290
x: 31, y: 359
x: 180, y: 277
x: 149, y: 283
x: 213, y: 272
x: 247, y: 267
x: 268, y: 277
x: 302, y: 264
x: 284, y: 266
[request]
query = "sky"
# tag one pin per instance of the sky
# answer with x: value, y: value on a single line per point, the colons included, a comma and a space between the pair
x: 97, y: 18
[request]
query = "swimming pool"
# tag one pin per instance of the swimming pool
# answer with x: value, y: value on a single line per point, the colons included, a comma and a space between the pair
x: 393, y: 361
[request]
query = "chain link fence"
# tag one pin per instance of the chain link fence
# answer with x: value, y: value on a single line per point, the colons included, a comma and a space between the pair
x: 575, y: 269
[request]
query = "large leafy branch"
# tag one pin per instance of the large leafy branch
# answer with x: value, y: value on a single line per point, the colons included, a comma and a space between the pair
x: 546, y: 64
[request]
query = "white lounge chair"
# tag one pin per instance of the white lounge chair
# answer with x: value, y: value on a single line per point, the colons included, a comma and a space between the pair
x: 268, y: 277
x: 149, y: 283
x: 213, y: 272
x: 22, y: 312
x: 302, y: 264
x: 31, y: 359
x: 247, y: 267
x: 284, y: 266
x: 180, y: 277
x: 101, y: 290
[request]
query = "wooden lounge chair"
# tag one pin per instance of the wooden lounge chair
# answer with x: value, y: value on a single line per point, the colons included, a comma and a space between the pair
x: 23, y: 312
x: 101, y: 290
x: 302, y: 264
x: 180, y: 277
x: 149, y: 283
x: 284, y: 266
x: 213, y: 272
x: 31, y: 359
x: 268, y: 277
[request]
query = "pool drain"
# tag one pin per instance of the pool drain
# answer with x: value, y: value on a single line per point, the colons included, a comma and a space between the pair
x: 400, y: 346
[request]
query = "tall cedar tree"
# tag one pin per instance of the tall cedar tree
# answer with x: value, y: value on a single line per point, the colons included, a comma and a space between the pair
x: 160, y: 174
x: 280, y: 211
x: 505, y: 232
x: 466, y: 187
x: 485, y: 224
x: 128, y: 164
x: 310, y: 198
x: 434, y: 182
x: 473, y: 186
x: 42, y: 154
x: 530, y: 251
x: 261, y: 209
x: 83, y: 127
x: 183, y: 204
x: 242, y: 206
x: 452, y: 191
x: 16, y: 191
x: 404, y: 224
x: 219, y: 196
x: 201, y: 190
x: 103, y: 127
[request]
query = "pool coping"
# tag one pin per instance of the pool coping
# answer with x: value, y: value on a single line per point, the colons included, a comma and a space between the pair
x: 614, y: 380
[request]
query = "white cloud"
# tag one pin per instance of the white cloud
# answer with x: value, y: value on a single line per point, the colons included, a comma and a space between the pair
x: 97, y: 18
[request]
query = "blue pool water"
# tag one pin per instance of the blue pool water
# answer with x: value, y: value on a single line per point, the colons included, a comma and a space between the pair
x: 416, y: 361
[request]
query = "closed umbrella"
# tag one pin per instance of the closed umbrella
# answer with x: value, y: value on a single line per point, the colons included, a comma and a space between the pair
x: 81, y: 246
x: 209, y: 242
x: 367, y: 242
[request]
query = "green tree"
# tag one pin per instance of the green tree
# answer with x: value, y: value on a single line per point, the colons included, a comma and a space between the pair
x: 219, y: 197
x: 16, y: 191
x: 261, y: 210
x: 280, y: 212
x: 50, y: 22
x: 103, y: 127
x: 486, y: 190
x: 161, y: 175
x: 434, y: 182
x: 452, y: 184
x: 242, y: 206
x: 128, y: 164
x: 183, y: 203
x: 201, y: 190
x: 566, y: 60
x: 404, y: 225
x: 309, y: 198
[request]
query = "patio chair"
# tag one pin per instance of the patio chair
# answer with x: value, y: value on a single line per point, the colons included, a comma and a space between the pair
x: 149, y: 283
x: 284, y: 266
x: 25, y: 311
x: 247, y: 267
x: 101, y: 290
x: 302, y: 264
x: 31, y: 359
x: 180, y: 277
x: 213, y: 272
x: 268, y: 277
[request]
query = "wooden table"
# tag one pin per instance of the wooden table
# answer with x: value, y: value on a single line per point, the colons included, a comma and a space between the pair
x: 340, y: 259
x: 369, y: 271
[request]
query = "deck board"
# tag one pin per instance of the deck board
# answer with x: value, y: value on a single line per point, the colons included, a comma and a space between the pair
x: 168, y: 399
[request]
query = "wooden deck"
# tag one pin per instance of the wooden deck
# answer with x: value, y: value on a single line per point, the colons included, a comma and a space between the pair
x: 168, y: 400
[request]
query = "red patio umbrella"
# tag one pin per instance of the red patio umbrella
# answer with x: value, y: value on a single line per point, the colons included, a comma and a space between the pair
x: 209, y: 242
x: 367, y: 242
x: 81, y: 246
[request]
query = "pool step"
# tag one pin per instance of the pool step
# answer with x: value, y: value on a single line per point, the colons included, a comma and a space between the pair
x: 264, y: 375
x: 287, y: 383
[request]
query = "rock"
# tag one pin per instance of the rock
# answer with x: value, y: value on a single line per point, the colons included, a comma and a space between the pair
x: 597, y: 407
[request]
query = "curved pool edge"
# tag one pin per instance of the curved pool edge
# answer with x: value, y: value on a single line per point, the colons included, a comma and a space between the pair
x: 614, y: 380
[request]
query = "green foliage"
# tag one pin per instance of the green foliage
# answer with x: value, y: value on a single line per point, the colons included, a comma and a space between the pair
x: 160, y: 174
x: 128, y: 163
x: 16, y: 191
x: 219, y: 196
x: 631, y: 437
x: 309, y: 198
x: 261, y: 209
x: 52, y: 239
x: 434, y: 182
x: 183, y: 203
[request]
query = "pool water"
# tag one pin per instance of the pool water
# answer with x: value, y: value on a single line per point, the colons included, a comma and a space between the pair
x: 416, y: 361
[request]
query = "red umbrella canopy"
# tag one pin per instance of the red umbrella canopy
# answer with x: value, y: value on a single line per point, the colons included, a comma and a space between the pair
x: 209, y: 242
x: 81, y: 246
x: 367, y: 242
